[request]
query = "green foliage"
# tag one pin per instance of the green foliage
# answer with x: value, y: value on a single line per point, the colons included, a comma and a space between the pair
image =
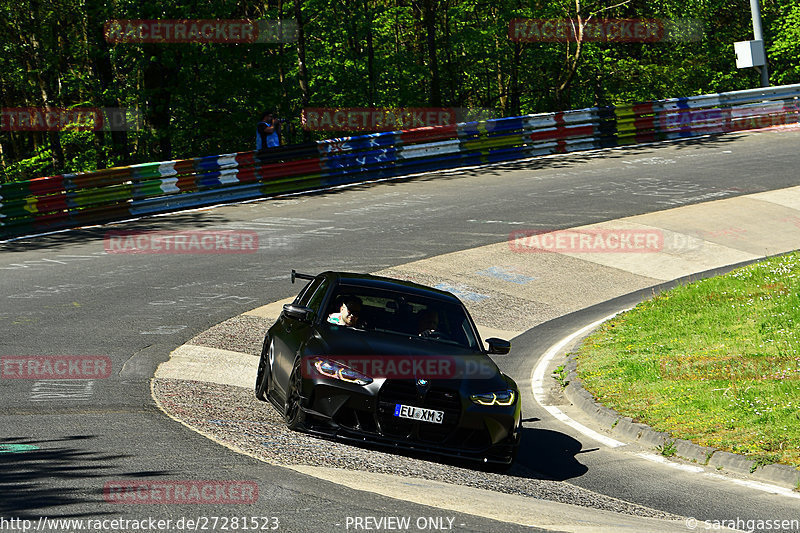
x: 203, y: 99
x: 40, y: 163
x: 668, y: 449
x: 785, y: 49
x: 560, y: 374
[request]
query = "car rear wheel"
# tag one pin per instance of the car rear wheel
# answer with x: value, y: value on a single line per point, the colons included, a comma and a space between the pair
x: 294, y: 414
x: 264, y: 374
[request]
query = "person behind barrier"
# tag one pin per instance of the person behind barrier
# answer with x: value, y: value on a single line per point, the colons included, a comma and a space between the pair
x: 268, y: 131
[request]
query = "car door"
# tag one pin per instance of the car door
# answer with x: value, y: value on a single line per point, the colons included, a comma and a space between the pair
x: 294, y: 333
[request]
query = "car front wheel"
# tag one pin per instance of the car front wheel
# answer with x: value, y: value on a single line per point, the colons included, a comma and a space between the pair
x: 264, y: 374
x: 294, y: 413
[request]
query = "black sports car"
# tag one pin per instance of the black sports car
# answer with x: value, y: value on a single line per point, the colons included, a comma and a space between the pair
x: 366, y: 358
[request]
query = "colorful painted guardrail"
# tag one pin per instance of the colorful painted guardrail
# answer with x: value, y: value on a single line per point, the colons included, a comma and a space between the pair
x: 72, y: 200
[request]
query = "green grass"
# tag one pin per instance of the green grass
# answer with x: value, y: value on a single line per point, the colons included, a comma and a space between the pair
x: 716, y: 362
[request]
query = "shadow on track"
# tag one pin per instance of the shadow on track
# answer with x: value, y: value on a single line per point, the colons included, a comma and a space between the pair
x: 38, y: 479
x: 96, y: 235
x: 551, y: 454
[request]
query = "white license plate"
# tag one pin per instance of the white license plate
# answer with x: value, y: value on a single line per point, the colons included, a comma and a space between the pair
x: 419, y: 413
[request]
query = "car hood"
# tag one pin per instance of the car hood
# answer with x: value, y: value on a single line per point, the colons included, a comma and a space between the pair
x: 384, y: 355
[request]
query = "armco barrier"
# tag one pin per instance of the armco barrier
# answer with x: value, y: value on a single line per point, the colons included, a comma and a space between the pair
x: 71, y: 200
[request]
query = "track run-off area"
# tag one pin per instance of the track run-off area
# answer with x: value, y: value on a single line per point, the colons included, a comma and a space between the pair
x: 716, y: 201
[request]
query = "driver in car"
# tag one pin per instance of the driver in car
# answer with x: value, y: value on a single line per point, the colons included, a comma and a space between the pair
x: 348, y: 314
x: 428, y: 322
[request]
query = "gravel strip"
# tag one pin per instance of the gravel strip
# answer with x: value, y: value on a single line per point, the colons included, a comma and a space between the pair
x: 243, y: 333
x: 234, y: 416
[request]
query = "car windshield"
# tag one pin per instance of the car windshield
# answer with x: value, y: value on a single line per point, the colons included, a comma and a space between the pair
x: 404, y: 314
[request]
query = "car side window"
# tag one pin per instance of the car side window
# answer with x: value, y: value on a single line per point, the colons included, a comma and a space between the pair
x: 315, y: 301
x: 307, y: 292
x: 466, y: 336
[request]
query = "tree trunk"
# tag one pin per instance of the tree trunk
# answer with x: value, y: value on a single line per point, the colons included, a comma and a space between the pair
x: 102, y: 69
x: 35, y: 64
x: 370, y: 55
x: 302, y: 74
x: 157, y: 88
x: 571, y: 61
x: 287, y: 133
x: 52, y: 136
x: 429, y: 15
x: 514, y: 104
x: 502, y: 87
x: 450, y: 67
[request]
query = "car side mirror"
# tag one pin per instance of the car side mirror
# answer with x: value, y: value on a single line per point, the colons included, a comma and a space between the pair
x: 298, y: 312
x: 498, y: 346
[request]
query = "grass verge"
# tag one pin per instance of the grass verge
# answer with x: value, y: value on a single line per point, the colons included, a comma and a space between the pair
x: 715, y: 362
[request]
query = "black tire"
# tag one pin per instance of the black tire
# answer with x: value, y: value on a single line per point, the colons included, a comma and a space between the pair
x: 293, y: 413
x: 264, y: 375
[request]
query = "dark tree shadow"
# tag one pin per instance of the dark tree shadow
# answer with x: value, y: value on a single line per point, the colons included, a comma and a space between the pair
x: 40, y: 477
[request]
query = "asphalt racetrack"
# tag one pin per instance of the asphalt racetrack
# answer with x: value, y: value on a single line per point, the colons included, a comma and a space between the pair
x: 63, y: 295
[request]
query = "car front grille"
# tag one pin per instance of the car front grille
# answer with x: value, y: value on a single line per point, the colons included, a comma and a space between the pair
x: 407, y: 392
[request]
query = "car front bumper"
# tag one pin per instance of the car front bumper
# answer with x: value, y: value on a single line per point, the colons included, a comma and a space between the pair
x: 366, y: 414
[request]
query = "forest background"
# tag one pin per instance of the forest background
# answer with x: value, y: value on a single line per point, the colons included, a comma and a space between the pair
x: 202, y: 99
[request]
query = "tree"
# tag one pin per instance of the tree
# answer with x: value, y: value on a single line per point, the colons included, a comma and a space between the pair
x: 201, y: 99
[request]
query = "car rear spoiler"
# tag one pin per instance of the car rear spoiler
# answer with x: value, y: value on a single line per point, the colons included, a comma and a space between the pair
x: 296, y: 274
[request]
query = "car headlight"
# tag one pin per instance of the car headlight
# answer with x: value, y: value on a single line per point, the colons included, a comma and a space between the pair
x: 505, y: 397
x: 335, y: 370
